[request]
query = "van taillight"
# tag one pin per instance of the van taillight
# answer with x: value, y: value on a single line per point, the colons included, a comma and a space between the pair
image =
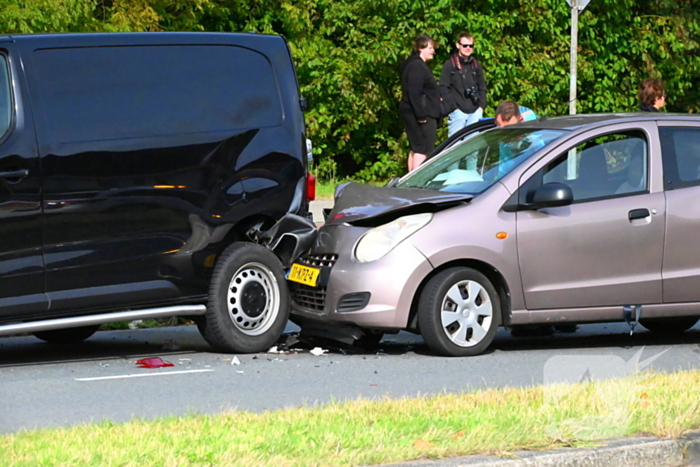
x: 310, y: 187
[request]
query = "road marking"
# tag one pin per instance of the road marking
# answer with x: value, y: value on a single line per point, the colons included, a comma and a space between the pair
x: 140, y: 375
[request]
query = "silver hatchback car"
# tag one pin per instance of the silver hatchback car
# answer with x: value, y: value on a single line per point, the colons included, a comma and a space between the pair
x: 588, y: 218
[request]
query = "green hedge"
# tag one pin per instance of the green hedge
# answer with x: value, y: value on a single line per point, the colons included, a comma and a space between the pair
x: 348, y: 55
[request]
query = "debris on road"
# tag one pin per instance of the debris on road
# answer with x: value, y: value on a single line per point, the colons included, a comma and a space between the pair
x: 318, y: 351
x: 235, y: 361
x: 152, y: 362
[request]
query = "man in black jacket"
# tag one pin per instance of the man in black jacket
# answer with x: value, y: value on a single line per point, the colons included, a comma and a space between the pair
x: 462, y: 85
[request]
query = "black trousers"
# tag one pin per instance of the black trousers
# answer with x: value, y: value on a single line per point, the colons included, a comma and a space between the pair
x: 421, y: 136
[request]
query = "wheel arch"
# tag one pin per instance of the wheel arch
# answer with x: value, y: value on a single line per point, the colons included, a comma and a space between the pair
x: 491, y: 273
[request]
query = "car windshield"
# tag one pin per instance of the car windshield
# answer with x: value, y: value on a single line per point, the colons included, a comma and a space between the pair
x: 476, y: 164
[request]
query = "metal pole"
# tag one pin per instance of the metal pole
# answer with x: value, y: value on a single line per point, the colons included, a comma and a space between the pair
x: 574, y: 49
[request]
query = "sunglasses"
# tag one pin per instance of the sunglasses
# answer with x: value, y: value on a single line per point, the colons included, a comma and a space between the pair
x: 467, y: 46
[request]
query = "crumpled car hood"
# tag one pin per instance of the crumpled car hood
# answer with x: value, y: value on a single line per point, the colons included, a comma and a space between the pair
x: 369, y: 205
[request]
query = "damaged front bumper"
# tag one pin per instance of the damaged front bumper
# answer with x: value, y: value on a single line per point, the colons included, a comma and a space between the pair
x: 376, y: 295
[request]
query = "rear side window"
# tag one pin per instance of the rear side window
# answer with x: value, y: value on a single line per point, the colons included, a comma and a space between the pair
x: 104, y: 93
x: 681, y: 155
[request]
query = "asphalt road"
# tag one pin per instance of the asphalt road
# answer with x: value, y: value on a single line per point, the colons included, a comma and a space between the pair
x: 44, y: 385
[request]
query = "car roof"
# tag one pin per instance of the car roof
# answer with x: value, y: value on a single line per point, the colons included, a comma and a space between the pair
x: 581, y: 121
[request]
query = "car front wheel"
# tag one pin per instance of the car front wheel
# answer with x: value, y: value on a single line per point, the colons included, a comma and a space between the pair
x: 459, y: 312
x: 248, y: 303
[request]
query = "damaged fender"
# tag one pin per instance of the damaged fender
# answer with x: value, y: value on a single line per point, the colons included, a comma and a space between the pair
x: 289, y: 238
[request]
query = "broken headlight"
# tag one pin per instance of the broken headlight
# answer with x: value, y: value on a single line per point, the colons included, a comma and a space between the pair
x: 381, y: 240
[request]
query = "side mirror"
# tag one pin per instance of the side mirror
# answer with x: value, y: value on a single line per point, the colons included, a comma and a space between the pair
x: 552, y: 195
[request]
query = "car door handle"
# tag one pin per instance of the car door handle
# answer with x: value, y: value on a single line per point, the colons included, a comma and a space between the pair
x: 638, y: 214
x: 15, y: 175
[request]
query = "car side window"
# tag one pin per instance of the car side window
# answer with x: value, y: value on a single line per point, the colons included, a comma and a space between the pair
x: 681, y: 155
x: 606, y: 166
x: 5, y: 97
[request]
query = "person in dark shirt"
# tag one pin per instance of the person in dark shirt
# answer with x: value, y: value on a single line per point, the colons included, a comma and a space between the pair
x: 420, y: 103
x: 652, y: 96
x: 463, y: 86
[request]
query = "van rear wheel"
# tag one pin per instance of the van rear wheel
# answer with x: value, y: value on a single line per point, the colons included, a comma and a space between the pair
x: 248, y: 304
x: 68, y: 335
x: 459, y: 312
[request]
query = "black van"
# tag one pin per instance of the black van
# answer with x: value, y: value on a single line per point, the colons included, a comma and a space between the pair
x: 140, y: 175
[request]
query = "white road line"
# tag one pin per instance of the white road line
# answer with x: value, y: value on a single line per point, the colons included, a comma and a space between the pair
x: 140, y: 375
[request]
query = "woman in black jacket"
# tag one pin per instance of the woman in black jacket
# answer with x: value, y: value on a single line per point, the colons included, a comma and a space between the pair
x: 420, y: 105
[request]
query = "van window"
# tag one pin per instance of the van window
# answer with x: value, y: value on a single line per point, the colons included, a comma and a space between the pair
x: 101, y: 93
x: 5, y: 97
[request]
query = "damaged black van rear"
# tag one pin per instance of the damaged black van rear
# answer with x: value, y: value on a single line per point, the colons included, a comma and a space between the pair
x: 139, y: 174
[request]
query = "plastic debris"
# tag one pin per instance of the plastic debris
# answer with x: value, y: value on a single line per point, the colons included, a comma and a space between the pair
x: 152, y: 362
x: 135, y: 323
x: 273, y: 349
x: 235, y: 361
x: 318, y: 351
x: 240, y: 372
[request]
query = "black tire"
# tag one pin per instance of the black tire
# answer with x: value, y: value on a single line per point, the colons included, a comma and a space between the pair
x: 248, y: 304
x: 669, y: 326
x: 68, y: 335
x: 480, y: 311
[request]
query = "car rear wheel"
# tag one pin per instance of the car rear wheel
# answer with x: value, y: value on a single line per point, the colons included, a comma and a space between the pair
x: 459, y: 312
x: 248, y: 303
x: 669, y: 326
x: 68, y: 335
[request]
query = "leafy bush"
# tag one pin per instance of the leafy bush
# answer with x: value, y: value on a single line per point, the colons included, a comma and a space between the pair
x: 348, y: 55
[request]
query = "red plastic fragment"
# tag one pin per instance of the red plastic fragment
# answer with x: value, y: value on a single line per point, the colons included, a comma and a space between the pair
x: 152, y: 362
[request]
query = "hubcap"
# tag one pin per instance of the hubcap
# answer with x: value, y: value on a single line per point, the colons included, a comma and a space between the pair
x: 253, y: 299
x: 466, y: 313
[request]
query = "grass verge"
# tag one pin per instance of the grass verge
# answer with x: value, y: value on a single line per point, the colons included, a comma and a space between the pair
x: 373, y: 432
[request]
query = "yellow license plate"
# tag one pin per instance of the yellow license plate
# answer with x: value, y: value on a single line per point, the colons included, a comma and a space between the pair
x: 304, y: 275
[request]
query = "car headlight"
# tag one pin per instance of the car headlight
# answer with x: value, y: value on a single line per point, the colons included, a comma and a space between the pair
x: 381, y: 240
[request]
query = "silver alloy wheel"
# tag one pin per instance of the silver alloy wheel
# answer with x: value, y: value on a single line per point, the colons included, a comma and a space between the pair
x: 466, y: 313
x: 253, y: 299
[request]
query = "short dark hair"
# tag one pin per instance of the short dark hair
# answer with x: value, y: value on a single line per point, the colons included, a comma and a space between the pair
x: 650, y: 90
x: 507, y: 110
x: 421, y: 42
x: 465, y: 35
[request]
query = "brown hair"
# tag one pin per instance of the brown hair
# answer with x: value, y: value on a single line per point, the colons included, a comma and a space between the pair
x: 465, y: 35
x: 650, y: 90
x: 421, y: 42
x: 507, y: 110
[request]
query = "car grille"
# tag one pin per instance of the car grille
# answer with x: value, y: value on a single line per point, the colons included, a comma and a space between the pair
x: 312, y: 298
x: 319, y: 260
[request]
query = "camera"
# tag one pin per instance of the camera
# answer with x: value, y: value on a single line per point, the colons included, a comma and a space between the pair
x: 471, y: 92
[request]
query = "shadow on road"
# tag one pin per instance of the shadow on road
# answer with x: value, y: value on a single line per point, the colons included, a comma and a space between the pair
x: 172, y: 341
